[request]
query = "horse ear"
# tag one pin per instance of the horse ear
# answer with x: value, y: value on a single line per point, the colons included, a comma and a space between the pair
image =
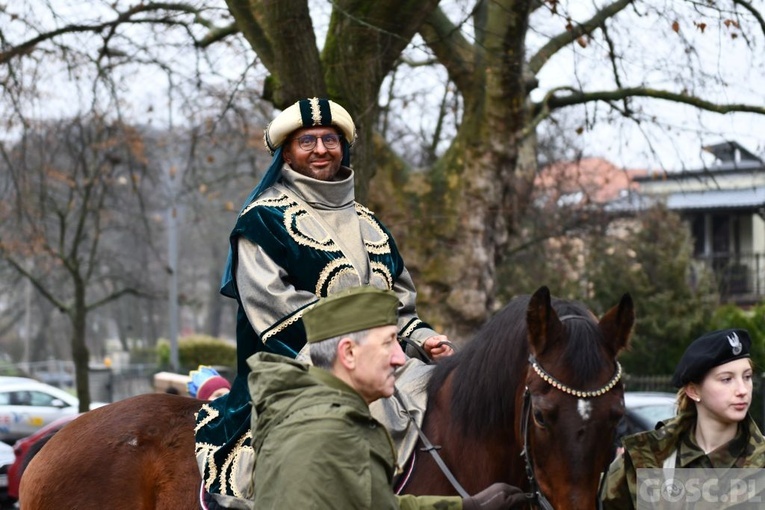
x: 616, y: 325
x: 541, y: 321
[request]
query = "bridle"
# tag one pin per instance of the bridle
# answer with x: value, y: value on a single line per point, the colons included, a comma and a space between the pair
x: 538, y: 497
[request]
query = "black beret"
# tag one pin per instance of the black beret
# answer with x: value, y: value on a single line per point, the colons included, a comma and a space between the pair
x: 708, y: 351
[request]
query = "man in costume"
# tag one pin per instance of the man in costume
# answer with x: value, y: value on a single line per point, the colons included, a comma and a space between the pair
x: 317, y: 445
x: 300, y: 236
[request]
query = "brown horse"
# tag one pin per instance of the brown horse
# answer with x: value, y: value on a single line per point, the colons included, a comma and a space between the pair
x: 139, y: 453
x: 548, y: 386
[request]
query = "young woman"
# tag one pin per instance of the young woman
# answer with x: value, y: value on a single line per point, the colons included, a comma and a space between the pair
x: 713, y: 427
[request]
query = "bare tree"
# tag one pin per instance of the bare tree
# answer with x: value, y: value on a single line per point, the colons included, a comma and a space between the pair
x: 62, y: 176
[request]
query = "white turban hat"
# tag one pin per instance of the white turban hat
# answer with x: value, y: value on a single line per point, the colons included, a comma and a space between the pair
x: 308, y: 113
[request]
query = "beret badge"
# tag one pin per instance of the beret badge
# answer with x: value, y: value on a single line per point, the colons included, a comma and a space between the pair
x: 708, y: 351
x: 735, y: 343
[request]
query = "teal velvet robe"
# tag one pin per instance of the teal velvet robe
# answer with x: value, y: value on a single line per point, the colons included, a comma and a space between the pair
x: 314, y: 262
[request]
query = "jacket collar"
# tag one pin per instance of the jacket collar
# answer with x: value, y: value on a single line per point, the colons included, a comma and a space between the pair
x: 650, y: 449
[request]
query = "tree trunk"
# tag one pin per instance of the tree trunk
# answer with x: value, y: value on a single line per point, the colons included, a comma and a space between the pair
x: 459, y: 216
x: 80, y: 354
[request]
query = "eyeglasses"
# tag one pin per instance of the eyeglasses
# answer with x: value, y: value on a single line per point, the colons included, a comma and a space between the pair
x: 308, y: 142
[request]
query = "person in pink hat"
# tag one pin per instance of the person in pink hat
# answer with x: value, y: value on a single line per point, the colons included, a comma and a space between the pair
x: 207, y: 384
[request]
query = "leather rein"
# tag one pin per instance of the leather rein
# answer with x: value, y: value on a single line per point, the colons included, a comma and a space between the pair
x: 537, y: 496
x: 427, y: 446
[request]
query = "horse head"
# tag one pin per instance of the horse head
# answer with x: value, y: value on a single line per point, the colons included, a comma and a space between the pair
x: 573, y: 397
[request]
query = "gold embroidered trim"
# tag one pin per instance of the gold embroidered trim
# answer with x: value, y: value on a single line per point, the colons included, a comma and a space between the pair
x: 226, y: 478
x: 336, y: 276
x: 315, y: 111
x: 382, y: 269
x: 330, y: 270
x: 409, y: 329
x: 381, y: 247
x: 212, y: 413
x: 293, y: 212
x: 206, y: 451
x: 271, y: 202
x: 281, y: 327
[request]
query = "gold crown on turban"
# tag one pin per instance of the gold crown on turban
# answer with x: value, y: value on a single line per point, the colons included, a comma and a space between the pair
x: 355, y: 309
x: 308, y: 113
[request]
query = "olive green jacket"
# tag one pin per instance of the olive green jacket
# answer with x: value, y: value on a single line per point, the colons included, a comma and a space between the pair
x: 317, y: 445
x: 650, y: 449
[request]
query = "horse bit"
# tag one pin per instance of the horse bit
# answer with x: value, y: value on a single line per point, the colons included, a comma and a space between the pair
x: 537, y: 496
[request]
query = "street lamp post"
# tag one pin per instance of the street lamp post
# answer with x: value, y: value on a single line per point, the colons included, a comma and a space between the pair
x: 172, y: 262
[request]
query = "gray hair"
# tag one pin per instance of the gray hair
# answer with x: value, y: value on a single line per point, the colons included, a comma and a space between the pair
x: 324, y: 353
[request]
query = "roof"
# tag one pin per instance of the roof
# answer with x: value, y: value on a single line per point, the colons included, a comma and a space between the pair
x: 731, y: 151
x: 587, y: 180
x: 730, y: 158
x: 728, y: 167
x: 746, y: 198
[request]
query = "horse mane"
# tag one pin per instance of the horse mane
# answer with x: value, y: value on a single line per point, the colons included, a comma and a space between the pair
x: 491, y: 367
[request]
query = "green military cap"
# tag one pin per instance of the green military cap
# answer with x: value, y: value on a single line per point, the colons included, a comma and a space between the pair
x: 351, y: 310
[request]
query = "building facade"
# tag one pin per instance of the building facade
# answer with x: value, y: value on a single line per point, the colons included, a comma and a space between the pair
x: 724, y: 206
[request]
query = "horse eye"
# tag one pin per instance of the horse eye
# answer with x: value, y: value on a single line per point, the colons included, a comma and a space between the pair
x: 539, y: 418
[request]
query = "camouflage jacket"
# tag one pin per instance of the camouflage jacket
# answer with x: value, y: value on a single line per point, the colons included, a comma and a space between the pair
x: 650, y: 450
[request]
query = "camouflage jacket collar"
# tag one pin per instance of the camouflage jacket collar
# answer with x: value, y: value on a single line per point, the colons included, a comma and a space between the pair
x: 650, y: 449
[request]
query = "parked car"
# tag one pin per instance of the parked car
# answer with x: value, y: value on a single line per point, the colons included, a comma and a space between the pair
x: 28, y: 405
x: 6, y: 460
x: 10, y: 379
x: 643, y: 410
x: 25, y: 449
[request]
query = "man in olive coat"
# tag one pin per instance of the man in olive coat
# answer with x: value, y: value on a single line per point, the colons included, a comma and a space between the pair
x: 317, y: 445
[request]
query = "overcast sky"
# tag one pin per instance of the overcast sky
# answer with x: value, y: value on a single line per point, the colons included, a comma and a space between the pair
x: 724, y: 69
x: 721, y: 67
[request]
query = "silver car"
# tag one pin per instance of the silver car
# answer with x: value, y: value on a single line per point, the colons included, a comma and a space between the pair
x: 27, y: 405
x: 647, y: 408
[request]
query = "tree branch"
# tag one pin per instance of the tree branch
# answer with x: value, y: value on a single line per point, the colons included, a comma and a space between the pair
x: 19, y: 268
x: 551, y: 102
x: 578, y: 97
x: 218, y: 34
x: 563, y: 39
x: 124, y: 17
x: 754, y: 12
x: 450, y: 47
x: 614, y: 67
x: 252, y: 30
x: 116, y: 295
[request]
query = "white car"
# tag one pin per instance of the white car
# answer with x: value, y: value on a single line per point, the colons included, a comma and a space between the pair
x: 7, y: 458
x: 26, y: 405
